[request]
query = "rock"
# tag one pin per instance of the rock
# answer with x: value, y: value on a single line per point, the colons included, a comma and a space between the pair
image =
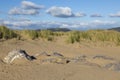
x: 15, y: 54
x: 42, y: 54
x: 103, y: 57
x: 81, y: 58
x: 56, y: 60
x: 53, y: 58
x: 57, y: 54
x: 113, y: 66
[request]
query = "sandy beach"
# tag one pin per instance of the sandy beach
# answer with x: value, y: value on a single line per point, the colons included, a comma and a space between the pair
x: 60, y: 40
x: 91, y: 69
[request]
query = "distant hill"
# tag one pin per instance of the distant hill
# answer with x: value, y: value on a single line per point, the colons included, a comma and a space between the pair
x: 56, y: 29
x: 59, y: 29
x: 116, y: 29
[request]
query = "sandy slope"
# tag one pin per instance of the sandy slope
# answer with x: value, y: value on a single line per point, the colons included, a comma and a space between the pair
x: 34, y: 70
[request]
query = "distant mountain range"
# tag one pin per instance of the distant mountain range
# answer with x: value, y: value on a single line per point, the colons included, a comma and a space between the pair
x: 116, y: 29
x: 59, y: 29
x: 56, y: 29
x: 67, y: 29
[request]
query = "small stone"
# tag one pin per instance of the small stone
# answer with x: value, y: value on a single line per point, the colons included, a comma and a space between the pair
x: 57, y: 54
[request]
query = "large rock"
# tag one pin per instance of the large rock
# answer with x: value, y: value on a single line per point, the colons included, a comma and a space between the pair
x: 15, y: 54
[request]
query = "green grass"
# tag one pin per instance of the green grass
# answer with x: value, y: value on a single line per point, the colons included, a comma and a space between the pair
x: 74, y: 36
x: 29, y: 34
x: 71, y: 37
x: 33, y: 34
x: 6, y: 33
x: 45, y: 35
x: 94, y: 36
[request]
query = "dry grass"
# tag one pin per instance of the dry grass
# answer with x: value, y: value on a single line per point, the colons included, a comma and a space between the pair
x: 6, y: 33
x: 94, y: 36
x: 71, y: 37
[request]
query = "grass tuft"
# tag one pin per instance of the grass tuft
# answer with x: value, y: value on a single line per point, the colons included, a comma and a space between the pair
x: 6, y: 33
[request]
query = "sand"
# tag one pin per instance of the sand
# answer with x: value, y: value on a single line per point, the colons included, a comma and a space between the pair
x: 34, y: 70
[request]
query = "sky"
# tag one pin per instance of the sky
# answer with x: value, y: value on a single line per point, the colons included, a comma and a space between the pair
x: 72, y: 14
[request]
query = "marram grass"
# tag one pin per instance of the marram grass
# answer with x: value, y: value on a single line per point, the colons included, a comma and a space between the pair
x: 94, y: 35
x: 6, y: 33
x: 71, y: 36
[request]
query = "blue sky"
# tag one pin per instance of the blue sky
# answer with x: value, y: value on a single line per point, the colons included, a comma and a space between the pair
x: 73, y: 14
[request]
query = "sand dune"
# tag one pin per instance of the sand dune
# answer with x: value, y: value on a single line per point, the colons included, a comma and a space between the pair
x: 86, y: 62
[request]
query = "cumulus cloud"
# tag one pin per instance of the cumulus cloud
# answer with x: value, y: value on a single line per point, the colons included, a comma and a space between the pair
x: 26, y: 8
x: 115, y: 15
x: 96, y: 15
x: 19, y: 11
x: 95, y: 24
x: 31, y: 5
x: 27, y: 24
x: 60, y: 11
x: 12, y: 18
x: 79, y: 14
x: 103, y: 23
x: 63, y: 12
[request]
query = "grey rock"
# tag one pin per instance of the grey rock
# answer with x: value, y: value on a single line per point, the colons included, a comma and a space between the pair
x: 42, y: 54
x: 103, y: 57
x: 15, y: 54
x: 81, y: 58
x: 56, y: 60
x: 113, y: 66
x: 57, y: 54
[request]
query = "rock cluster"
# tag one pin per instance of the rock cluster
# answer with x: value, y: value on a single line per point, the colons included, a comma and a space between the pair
x: 100, y: 61
x: 53, y: 58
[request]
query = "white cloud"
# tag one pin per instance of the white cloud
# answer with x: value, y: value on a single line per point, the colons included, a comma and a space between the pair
x: 99, y: 24
x: 60, y: 11
x: 115, y: 15
x: 96, y: 15
x: 79, y: 14
x: 27, y: 24
x: 19, y: 11
x: 11, y: 18
x: 30, y: 5
x: 26, y: 8
x: 63, y: 12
